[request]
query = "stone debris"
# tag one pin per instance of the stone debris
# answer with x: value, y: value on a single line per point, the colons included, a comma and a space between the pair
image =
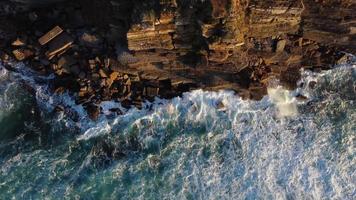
x: 90, y: 40
x: 22, y: 54
x: 281, y: 45
x: 50, y: 35
x: 18, y: 42
x: 59, y: 44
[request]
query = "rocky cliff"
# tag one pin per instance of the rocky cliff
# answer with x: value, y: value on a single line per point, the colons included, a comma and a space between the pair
x: 232, y: 43
x: 133, y: 50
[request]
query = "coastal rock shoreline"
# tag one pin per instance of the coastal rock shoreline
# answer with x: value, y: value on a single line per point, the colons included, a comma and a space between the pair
x: 132, y: 51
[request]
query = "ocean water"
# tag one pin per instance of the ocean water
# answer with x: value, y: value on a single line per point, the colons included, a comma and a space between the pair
x: 203, y: 145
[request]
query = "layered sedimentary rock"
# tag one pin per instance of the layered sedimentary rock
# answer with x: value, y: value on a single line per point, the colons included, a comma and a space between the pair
x: 221, y: 40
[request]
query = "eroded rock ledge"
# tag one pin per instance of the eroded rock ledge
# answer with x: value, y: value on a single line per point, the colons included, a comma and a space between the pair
x: 132, y: 50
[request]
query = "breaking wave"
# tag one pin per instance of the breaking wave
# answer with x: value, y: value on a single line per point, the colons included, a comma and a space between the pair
x: 203, y: 145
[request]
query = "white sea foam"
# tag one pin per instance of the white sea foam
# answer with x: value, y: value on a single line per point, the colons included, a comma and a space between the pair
x: 276, y: 148
x: 284, y: 100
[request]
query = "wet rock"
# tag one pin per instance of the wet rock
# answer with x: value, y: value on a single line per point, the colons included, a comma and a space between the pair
x: 90, y: 40
x: 219, y: 8
x: 75, y: 69
x: 345, y: 59
x: 59, y: 108
x: 92, y: 64
x: 19, y: 42
x: 154, y: 161
x: 60, y: 90
x: 82, y: 75
x: 59, y: 44
x: 112, y: 78
x: 66, y: 62
x: 312, y: 84
x: 4, y: 57
x: 95, y: 76
x: 50, y: 35
x: 93, y: 111
x: 83, y: 91
x: 22, y: 54
x: 126, y: 103
x: 301, y: 97
x: 257, y: 92
x: 102, y: 154
x: 33, y: 16
x: 102, y: 73
x: 220, y: 106
x: 281, y: 45
x: 290, y: 77
x: 151, y: 92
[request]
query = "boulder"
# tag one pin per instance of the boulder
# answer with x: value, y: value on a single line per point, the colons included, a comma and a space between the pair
x: 22, y: 54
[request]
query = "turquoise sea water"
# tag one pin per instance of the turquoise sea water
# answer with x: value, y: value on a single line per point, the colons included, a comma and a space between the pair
x: 204, y: 145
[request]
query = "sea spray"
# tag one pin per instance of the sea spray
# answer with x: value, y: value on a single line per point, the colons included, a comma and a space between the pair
x: 284, y: 100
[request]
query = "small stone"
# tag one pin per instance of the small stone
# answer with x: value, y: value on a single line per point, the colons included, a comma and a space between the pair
x: 114, y: 75
x: 126, y: 103
x: 4, y: 57
x: 66, y: 62
x: 103, y: 73
x: 151, y: 92
x: 97, y: 59
x: 59, y: 108
x: 45, y: 62
x: 83, y: 91
x: 75, y: 69
x: 50, y: 35
x: 165, y: 83
x: 154, y: 161
x: 60, y: 90
x: 82, y: 75
x: 95, y: 76
x: 128, y: 82
x: 90, y: 40
x: 92, y: 64
x: 59, y: 72
x: 33, y: 16
x: 281, y: 45
x: 107, y: 63
x: 22, y: 54
x: 112, y: 78
x: 345, y: 59
x: 93, y: 111
x: 301, y: 97
x: 102, y: 83
x: 312, y: 84
x: 220, y: 106
x: 18, y: 42
x: 59, y: 44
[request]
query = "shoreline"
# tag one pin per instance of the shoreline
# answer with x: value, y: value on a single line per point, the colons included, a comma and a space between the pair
x: 163, y: 54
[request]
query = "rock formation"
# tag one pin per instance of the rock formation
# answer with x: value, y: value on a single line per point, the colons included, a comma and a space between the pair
x: 131, y: 50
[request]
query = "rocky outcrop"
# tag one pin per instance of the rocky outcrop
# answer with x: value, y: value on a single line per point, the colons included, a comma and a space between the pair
x: 215, y: 43
x: 133, y: 50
